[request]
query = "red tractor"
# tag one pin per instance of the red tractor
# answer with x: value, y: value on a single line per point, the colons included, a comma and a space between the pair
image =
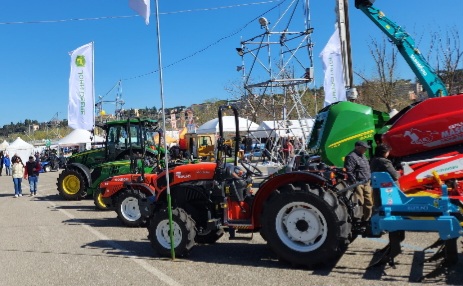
x: 298, y: 213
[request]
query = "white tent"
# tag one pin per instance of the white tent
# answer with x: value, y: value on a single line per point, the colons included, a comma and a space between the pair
x: 284, y: 128
x: 212, y: 126
x: 78, y: 137
x: 22, y: 148
x: 3, y: 145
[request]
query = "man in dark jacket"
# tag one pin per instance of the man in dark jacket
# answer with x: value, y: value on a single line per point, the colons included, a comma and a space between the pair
x: 358, y: 169
x: 380, y: 163
x: 31, y: 173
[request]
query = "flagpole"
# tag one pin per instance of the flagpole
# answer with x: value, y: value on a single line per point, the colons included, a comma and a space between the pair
x: 93, y: 84
x: 169, y: 201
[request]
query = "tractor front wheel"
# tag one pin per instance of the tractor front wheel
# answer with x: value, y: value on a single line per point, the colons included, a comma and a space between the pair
x: 305, y: 228
x: 71, y: 185
x: 97, y: 200
x: 183, y: 232
x: 128, y: 210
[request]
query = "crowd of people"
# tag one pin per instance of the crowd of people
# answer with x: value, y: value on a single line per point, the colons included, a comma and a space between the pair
x: 18, y: 171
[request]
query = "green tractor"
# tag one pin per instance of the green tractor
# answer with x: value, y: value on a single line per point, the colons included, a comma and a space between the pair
x: 125, y: 139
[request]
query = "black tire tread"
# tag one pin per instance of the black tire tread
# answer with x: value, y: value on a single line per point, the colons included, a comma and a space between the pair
x: 124, y: 194
x: 181, y: 217
x: 335, y: 213
x: 83, y: 185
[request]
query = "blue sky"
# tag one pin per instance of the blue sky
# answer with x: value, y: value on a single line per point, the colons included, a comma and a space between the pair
x: 35, y: 47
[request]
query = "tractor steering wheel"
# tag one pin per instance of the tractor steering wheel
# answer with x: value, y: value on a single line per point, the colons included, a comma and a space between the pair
x: 251, y: 169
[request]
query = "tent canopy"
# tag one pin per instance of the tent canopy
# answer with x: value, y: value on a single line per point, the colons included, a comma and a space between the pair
x: 3, y: 145
x: 284, y: 128
x: 212, y: 126
x: 79, y: 136
x: 22, y: 148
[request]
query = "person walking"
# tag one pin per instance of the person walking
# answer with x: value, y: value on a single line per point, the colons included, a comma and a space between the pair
x: 2, y: 160
x: 380, y: 162
x: 7, y: 163
x: 358, y: 169
x: 17, y: 173
x: 31, y: 173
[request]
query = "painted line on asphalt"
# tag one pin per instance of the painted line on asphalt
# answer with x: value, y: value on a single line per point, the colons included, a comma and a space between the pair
x: 153, y: 270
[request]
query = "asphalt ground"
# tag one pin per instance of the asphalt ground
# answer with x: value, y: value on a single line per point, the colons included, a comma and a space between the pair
x: 45, y: 240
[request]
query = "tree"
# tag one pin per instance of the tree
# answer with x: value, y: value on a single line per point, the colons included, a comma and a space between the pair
x: 381, y: 91
x: 448, y: 57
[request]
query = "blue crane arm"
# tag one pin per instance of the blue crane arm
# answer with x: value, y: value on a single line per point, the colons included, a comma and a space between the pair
x: 431, y: 82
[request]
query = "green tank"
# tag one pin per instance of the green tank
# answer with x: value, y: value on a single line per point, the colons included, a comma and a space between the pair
x: 338, y: 126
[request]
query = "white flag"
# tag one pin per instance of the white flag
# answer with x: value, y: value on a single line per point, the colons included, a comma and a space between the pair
x: 333, y: 83
x: 142, y: 7
x: 81, y: 108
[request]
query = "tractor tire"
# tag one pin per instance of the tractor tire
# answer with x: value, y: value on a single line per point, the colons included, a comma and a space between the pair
x: 209, y: 237
x: 128, y: 210
x: 71, y: 185
x: 183, y: 232
x: 99, y: 205
x: 306, y: 228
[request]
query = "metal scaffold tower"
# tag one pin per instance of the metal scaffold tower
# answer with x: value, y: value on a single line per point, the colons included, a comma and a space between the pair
x: 277, y: 68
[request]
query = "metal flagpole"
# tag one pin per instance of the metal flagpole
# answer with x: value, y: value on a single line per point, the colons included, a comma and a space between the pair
x: 169, y: 201
x: 93, y: 85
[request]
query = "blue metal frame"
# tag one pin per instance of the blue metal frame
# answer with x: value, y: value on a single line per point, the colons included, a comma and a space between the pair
x: 398, y: 212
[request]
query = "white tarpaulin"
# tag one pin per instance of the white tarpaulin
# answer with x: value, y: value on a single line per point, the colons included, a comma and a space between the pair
x: 3, y: 145
x: 79, y: 136
x: 22, y: 148
x: 284, y: 128
x: 212, y: 126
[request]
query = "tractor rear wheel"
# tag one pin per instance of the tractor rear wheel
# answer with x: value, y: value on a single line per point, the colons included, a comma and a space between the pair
x: 307, y: 227
x: 97, y: 200
x: 71, y: 185
x: 128, y: 210
x: 183, y: 232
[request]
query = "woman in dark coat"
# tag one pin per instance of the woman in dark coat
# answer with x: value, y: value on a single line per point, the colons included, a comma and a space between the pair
x: 380, y: 162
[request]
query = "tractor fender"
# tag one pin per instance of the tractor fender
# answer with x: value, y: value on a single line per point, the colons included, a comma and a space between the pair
x: 270, y: 185
x: 141, y: 187
x: 83, y: 169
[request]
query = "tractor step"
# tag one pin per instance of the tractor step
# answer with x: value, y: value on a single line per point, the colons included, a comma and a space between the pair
x: 232, y: 232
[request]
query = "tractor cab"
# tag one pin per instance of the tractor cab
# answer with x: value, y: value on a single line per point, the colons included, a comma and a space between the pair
x: 122, y: 137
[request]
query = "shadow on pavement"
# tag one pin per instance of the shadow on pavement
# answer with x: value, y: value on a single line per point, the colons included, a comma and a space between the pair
x: 100, y: 222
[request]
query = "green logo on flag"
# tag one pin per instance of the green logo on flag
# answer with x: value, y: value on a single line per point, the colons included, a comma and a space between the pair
x: 80, y: 61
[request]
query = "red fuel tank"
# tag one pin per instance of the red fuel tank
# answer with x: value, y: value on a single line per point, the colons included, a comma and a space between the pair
x: 431, y: 124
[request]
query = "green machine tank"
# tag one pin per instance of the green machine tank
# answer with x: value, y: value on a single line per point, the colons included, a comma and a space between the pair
x: 124, y: 140
x: 339, y: 125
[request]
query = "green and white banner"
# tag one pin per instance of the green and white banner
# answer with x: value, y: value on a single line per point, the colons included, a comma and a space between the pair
x: 81, y: 108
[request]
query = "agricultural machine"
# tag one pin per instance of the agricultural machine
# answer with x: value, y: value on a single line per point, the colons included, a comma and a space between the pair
x: 425, y: 136
x: 121, y: 193
x: 307, y: 217
x: 85, y: 170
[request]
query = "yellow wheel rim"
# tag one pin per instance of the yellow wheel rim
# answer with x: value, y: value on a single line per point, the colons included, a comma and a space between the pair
x: 99, y: 201
x: 71, y: 184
